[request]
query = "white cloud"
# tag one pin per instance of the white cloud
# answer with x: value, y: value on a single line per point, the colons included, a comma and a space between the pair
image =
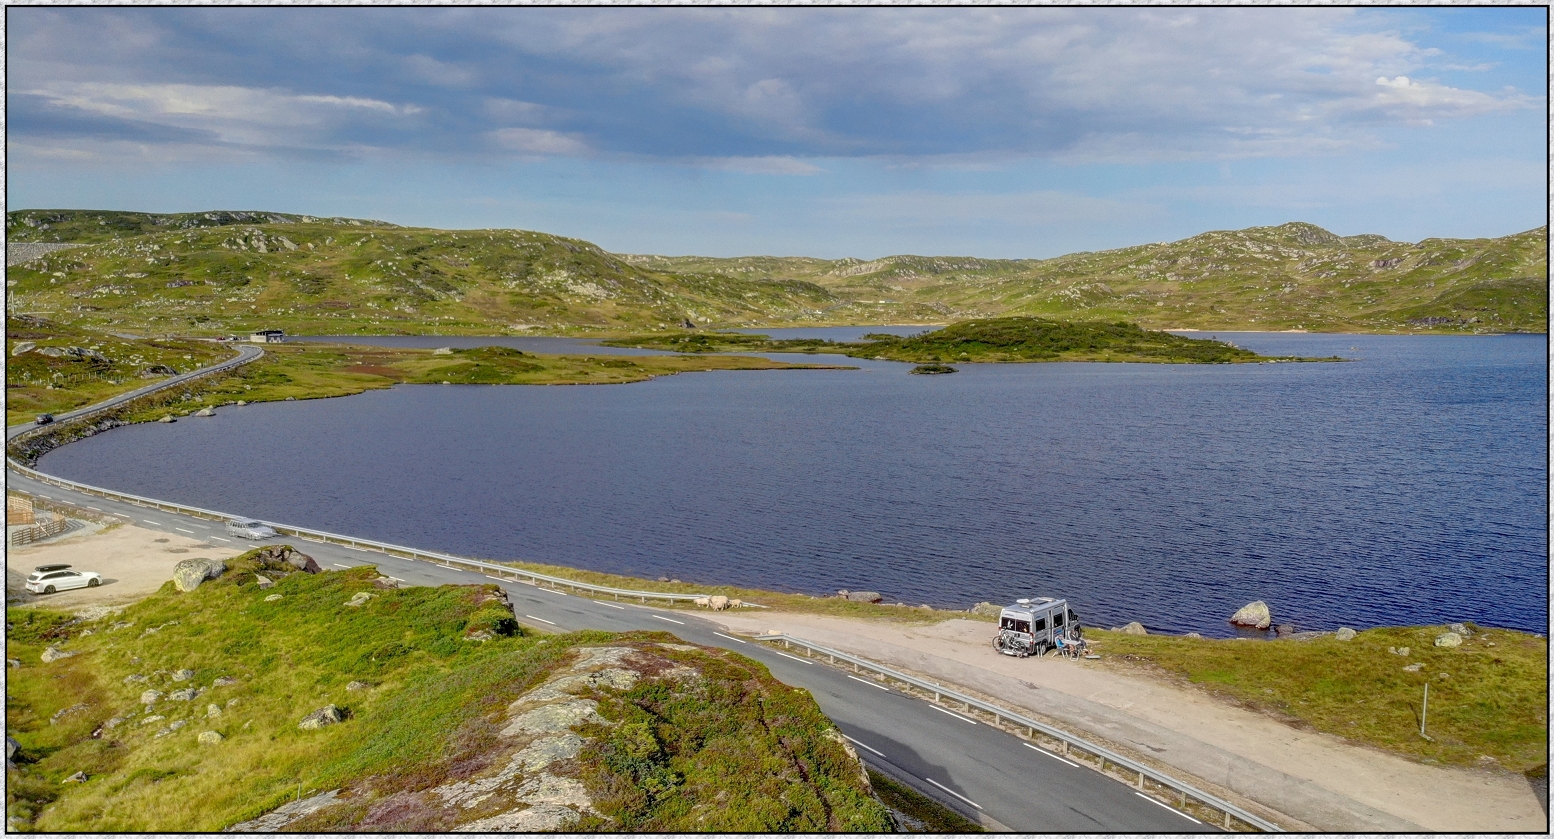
x: 768, y: 165
x: 538, y: 141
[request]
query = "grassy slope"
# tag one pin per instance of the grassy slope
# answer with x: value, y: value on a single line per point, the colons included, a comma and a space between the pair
x: 1010, y: 339
x: 1286, y: 277
x: 1487, y: 697
x: 326, y: 276
x: 36, y: 383
x: 434, y: 695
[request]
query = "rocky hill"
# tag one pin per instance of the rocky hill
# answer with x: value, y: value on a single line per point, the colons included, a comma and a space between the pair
x: 262, y: 694
x: 208, y: 273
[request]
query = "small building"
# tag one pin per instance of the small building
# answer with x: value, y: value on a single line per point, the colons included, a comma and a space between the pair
x: 267, y: 336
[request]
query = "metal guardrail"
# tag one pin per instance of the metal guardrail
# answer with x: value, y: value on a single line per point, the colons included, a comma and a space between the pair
x: 412, y: 554
x: 1068, y: 743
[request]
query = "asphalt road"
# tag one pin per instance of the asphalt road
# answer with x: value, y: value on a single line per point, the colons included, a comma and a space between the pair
x: 985, y: 773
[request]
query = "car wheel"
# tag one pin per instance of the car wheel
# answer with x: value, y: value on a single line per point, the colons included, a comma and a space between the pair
x: 93, y: 583
x: 48, y: 589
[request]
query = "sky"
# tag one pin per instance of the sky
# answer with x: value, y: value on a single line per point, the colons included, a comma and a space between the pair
x: 864, y: 132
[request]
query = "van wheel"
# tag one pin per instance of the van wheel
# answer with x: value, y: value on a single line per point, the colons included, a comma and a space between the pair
x: 93, y: 583
x: 48, y: 589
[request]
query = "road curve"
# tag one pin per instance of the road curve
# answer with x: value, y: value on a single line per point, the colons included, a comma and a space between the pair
x: 985, y: 773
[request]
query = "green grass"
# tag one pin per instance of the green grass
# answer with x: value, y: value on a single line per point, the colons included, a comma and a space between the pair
x: 1011, y: 339
x: 1487, y: 697
x: 925, y: 815
x: 427, y: 718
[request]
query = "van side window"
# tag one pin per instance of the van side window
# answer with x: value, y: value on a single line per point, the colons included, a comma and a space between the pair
x: 1041, y: 623
x: 1057, y: 619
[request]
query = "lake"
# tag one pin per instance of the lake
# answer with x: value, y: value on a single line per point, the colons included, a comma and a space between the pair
x: 1407, y: 486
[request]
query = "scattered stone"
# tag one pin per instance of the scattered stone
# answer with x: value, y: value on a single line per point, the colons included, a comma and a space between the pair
x: 188, y: 574
x: 1448, y: 639
x: 205, y: 412
x: 21, y: 347
x: 13, y: 662
x: 115, y: 722
x: 1413, y: 668
x: 134, y: 677
x: 153, y: 718
x: 53, y: 654
x: 1192, y: 635
x: 212, y: 710
x: 1133, y: 628
x: 291, y: 399
x: 1344, y: 633
x: 1443, y: 675
x: 232, y: 701
x: 242, y: 402
x: 263, y: 581
x: 176, y: 724
x: 986, y: 608
x: 272, y: 598
x: 62, y: 712
x: 663, y: 579
x: 386, y: 583
x: 117, y: 625
x: 353, y: 686
x: 1254, y: 614
x: 672, y: 580
x: 327, y: 715
x: 1403, y: 651
x: 210, y: 738
x: 185, y: 695
x: 183, y: 675
x: 223, y: 681
x: 864, y: 596
x: 77, y: 778
x: 1307, y: 635
x: 1284, y: 629
x: 360, y: 598
x: 168, y: 418
x: 150, y: 697
x: 443, y: 351
x: 11, y: 748
x: 1463, y: 630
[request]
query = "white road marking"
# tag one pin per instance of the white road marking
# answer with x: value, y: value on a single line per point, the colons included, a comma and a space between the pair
x: 219, y: 539
x: 396, y: 579
x: 953, y: 714
x: 671, y: 620
x: 541, y: 620
x: 489, y: 577
x: 1051, y: 755
x: 90, y: 507
x: 190, y: 532
x: 1167, y: 806
x: 157, y: 523
x: 954, y: 793
x: 41, y: 495
x: 869, y: 683
x: 611, y: 605
x: 870, y: 748
x: 551, y: 591
x: 731, y: 638
x: 794, y: 657
x: 203, y: 526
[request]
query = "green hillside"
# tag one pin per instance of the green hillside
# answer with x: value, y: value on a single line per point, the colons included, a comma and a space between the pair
x: 217, y: 272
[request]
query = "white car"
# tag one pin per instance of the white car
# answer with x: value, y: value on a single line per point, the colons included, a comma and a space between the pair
x: 47, y: 579
x: 250, y: 529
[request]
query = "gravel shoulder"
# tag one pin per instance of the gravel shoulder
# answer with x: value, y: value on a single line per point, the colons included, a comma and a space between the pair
x: 134, y: 562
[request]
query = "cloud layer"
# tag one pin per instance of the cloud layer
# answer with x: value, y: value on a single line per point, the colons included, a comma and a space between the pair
x: 742, y: 90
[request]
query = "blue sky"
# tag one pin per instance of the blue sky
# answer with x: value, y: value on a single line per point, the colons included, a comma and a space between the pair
x: 824, y: 132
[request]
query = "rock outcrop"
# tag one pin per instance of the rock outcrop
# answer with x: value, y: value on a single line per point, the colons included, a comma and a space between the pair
x: 864, y: 596
x: 1344, y: 633
x: 1254, y: 615
x: 1133, y: 628
x: 53, y: 654
x: 1448, y: 639
x: 188, y: 574
x: 327, y: 715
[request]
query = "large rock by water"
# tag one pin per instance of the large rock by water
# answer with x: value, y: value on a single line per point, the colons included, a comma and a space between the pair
x: 189, y: 573
x: 864, y: 596
x: 1133, y: 628
x: 988, y: 609
x: 1254, y: 614
x: 1448, y: 639
x: 1344, y: 633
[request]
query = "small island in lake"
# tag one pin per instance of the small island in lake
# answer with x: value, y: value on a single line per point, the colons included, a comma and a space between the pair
x: 932, y: 369
x: 1012, y: 339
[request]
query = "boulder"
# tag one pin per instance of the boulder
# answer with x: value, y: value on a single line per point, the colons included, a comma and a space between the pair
x: 1192, y: 635
x: 272, y: 598
x: 153, y: 718
x: 327, y: 715
x: 1254, y: 614
x: 1448, y: 639
x: 291, y: 399
x: 210, y: 738
x: 149, y: 697
x: 212, y: 710
x: 156, y: 370
x: 205, y: 412
x: 11, y: 748
x: 355, y: 686
x: 1461, y: 629
x: 718, y: 602
x: 302, y: 562
x: 1133, y: 628
x: 183, y: 675
x: 223, y: 681
x: 53, y: 654
x: 21, y: 347
x: 1344, y: 633
x: 184, y: 695
x: 360, y: 598
x: 864, y: 596
x: 1284, y: 629
x: 386, y: 582
x: 263, y: 581
x: 168, y: 418
x: 988, y: 609
x: 134, y: 677
x: 241, y: 402
x: 188, y: 574
x: 77, y: 778
x: 1414, y: 668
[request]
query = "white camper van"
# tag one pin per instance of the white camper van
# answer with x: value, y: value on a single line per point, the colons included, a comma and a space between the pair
x: 1033, y: 625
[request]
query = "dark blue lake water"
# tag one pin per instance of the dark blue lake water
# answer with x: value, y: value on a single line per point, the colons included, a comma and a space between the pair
x: 1406, y: 486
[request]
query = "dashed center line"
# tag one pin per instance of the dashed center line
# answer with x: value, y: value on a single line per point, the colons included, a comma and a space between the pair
x: 551, y: 591
x: 203, y: 526
x: 489, y: 577
x: 731, y: 638
x: 541, y: 620
x: 863, y: 746
x: 157, y: 523
x: 181, y: 530
x: 671, y: 620
x: 954, y: 793
x: 41, y: 495
x: 219, y: 539
x: 794, y: 657
x: 1167, y: 806
x: 953, y: 714
x: 1051, y: 755
x: 338, y: 565
x: 869, y: 683
x: 611, y: 605
x: 90, y: 507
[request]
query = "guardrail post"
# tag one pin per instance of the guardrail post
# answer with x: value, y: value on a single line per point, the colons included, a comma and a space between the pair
x: 1227, y: 819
